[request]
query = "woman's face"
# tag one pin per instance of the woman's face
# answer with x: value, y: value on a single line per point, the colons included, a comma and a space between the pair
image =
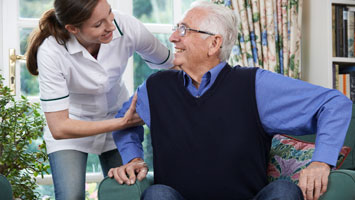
x: 98, y: 28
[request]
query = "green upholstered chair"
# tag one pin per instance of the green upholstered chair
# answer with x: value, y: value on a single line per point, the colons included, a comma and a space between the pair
x: 5, y: 189
x: 341, y: 186
x: 341, y: 183
x: 349, y: 162
x: 110, y: 189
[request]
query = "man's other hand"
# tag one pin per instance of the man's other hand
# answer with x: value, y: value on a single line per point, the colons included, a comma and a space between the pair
x: 128, y: 173
x: 313, y: 180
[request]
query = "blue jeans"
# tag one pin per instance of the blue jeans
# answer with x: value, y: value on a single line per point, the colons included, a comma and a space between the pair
x: 276, y: 190
x: 279, y: 190
x: 69, y: 168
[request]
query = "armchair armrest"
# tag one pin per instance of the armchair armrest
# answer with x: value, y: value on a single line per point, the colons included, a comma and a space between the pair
x: 5, y: 188
x: 109, y: 189
x: 341, y: 185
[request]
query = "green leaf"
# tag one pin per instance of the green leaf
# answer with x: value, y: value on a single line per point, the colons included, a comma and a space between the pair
x: 21, y: 124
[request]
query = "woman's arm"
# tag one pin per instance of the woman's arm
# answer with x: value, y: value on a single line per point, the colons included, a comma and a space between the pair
x: 62, y: 127
x: 153, y: 52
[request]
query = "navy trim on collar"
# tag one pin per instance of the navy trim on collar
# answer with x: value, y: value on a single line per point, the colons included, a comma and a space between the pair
x: 118, y: 28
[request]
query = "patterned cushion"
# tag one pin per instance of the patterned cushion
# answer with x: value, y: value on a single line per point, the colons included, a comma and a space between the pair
x: 288, y: 156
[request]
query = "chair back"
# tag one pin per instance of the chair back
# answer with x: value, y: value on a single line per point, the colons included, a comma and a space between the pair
x: 5, y: 188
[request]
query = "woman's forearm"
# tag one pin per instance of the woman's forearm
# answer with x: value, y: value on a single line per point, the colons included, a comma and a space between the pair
x: 63, y: 127
x: 70, y: 128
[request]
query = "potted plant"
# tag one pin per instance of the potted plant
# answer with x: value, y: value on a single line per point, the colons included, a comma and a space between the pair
x: 21, y: 124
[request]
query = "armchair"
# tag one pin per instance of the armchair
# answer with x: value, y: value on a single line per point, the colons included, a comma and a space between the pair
x: 340, y: 186
x: 5, y: 188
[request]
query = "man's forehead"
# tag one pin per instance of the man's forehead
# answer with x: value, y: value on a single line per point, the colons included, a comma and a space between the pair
x: 193, y: 17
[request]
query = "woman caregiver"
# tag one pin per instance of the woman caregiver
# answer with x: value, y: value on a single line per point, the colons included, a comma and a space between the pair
x: 79, y: 53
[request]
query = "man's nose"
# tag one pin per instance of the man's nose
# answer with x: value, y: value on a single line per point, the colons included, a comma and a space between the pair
x: 175, y: 37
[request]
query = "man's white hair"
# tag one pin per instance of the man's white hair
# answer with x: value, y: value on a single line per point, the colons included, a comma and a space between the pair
x: 220, y: 20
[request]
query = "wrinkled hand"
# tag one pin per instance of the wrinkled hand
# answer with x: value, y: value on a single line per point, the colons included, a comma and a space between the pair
x: 128, y: 173
x: 131, y: 117
x: 313, y: 180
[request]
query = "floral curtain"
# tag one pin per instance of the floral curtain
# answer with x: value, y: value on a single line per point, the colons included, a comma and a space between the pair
x: 269, y: 34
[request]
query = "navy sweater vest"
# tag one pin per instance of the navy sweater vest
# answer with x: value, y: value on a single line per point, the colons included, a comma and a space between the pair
x: 211, y: 147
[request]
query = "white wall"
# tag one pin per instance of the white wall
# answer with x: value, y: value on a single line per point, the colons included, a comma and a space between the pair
x: 1, y: 38
x: 315, y: 42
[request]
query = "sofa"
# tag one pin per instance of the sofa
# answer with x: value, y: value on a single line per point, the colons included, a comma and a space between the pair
x: 341, y: 183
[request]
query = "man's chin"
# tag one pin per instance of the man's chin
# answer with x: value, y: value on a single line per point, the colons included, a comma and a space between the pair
x: 176, y: 63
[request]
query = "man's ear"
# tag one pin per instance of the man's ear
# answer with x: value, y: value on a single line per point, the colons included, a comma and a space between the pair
x: 215, y: 45
x: 72, y: 29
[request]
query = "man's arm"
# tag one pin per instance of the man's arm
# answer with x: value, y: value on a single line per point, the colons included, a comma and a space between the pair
x: 294, y: 107
x: 129, y: 142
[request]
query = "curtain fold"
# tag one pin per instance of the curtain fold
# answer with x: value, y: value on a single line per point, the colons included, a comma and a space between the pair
x: 269, y: 34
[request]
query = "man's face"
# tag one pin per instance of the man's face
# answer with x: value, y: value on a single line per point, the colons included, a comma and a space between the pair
x: 191, y: 49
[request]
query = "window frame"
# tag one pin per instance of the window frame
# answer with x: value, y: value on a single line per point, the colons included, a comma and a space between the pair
x: 155, y: 28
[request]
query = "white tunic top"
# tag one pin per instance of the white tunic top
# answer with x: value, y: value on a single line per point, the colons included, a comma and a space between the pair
x: 92, y: 89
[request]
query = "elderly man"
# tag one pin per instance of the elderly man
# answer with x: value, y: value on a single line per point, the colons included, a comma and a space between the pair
x: 211, y: 124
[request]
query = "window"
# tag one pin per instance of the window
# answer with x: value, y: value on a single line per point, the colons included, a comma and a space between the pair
x: 21, y: 17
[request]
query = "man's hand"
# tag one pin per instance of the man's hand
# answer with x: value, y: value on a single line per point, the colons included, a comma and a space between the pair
x: 313, y: 180
x: 128, y: 173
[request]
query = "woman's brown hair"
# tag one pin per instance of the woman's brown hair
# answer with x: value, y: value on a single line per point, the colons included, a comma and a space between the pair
x: 52, y: 23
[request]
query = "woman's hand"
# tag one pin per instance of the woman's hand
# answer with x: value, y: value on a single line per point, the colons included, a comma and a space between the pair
x: 131, y: 118
x: 62, y: 127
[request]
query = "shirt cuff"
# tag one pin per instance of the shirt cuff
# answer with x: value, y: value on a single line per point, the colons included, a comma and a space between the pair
x: 325, y: 153
x: 130, y: 152
x: 55, y: 105
x: 129, y: 143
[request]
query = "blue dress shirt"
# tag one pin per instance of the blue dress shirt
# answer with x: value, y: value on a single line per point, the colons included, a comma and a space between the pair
x: 285, y: 105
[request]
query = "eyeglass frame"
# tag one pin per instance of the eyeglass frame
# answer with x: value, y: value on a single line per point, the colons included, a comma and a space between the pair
x: 183, y: 33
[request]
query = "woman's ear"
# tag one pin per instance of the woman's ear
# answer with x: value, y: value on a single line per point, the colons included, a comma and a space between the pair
x: 215, y: 45
x: 72, y: 29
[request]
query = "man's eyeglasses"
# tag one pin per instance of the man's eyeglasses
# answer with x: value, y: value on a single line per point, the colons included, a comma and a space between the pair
x: 181, y: 28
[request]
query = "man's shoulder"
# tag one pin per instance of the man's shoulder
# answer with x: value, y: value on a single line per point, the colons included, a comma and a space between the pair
x: 164, y: 78
x: 164, y: 74
x: 242, y: 71
x: 241, y: 68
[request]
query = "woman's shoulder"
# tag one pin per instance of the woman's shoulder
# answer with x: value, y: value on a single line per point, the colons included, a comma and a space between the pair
x: 126, y: 20
x: 51, y: 46
x: 121, y: 16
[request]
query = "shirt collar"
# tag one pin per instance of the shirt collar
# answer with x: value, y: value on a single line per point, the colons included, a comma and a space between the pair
x: 73, y: 46
x: 118, y: 32
x: 212, y: 74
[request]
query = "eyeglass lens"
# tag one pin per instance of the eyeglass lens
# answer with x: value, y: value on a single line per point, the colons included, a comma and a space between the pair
x: 182, y: 29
